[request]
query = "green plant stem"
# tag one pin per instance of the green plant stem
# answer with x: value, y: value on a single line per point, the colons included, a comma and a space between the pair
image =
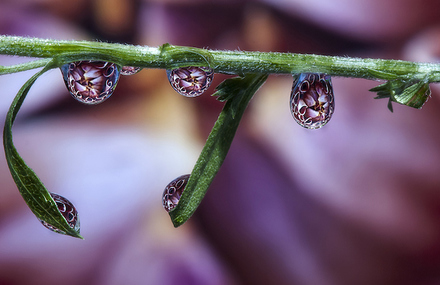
x: 23, y: 66
x: 232, y: 62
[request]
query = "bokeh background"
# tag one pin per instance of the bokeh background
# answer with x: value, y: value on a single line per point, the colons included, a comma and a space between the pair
x: 356, y: 202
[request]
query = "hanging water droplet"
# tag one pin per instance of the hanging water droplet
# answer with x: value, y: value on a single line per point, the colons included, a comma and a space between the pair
x: 130, y: 70
x: 172, y: 193
x: 90, y: 82
x: 190, y: 81
x: 68, y: 211
x: 312, y: 101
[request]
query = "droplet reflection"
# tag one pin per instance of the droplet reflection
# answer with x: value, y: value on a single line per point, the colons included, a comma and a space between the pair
x: 90, y: 82
x: 190, y: 81
x: 312, y: 101
x: 172, y: 193
x: 130, y: 70
x: 68, y: 211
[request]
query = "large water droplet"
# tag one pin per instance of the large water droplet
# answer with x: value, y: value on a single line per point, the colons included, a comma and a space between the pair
x: 68, y: 211
x: 130, y: 70
x: 190, y: 81
x: 90, y: 82
x: 172, y: 193
x: 312, y: 101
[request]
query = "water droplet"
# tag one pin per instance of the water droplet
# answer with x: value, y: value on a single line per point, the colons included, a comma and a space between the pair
x: 190, y: 81
x: 172, y: 193
x: 90, y: 82
x: 68, y: 211
x: 130, y: 70
x: 312, y: 101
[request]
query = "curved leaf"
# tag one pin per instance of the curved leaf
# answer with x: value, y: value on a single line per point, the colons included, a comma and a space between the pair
x: 238, y: 92
x: 31, y: 188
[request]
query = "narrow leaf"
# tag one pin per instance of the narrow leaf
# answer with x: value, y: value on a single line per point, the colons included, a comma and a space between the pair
x: 31, y: 188
x: 390, y: 105
x: 239, y: 92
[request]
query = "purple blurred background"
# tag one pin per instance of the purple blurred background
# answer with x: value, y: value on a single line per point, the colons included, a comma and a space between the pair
x: 356, y: 202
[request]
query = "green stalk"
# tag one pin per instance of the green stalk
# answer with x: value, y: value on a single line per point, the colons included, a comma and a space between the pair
x: 235, y: 62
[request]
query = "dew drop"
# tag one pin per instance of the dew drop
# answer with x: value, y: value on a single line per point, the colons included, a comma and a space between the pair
x: 190, y: 81
x: 130, y: 70
x: 312, y: 101
x: 172, y: 193
x: 68, y: 211
x: 90, y: 82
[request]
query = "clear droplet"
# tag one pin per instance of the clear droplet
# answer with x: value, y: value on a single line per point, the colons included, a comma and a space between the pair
x: 312, y: 101
x: 190, y: 81
x: 130, y: 70
x: 90, y: 82
x: 172, y: 193
x: 68, y: 211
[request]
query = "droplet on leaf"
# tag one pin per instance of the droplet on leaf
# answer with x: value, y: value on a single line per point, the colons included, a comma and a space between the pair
x: 312, y: 101
x: 68, y: 211
x: 190, y: 81
x: 172, y: 193
x: 130, y: 70
x: 90, y: 82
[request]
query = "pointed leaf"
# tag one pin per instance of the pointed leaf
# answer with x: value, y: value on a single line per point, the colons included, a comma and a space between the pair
x: 239, y: 92
x: 31, y: 188
x: 390, y: 105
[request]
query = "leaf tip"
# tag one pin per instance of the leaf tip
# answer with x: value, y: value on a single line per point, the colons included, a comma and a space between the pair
x: 177, y: 218
x: 77, y: 235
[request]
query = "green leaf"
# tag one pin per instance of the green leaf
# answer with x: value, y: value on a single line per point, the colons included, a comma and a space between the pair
x: 238, y: 92
x: 31, y: 188
x: 406, y: 92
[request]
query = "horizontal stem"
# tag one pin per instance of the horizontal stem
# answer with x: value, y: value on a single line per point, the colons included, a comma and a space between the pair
x: 232, y: 62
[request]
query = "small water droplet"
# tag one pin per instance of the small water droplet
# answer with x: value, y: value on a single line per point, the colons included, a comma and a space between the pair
x: 190, y: 81
x: 90, y: 82
x: 172, y: 193
x: 68, y: 211
x: 312, y: 101
x: 130, y: 70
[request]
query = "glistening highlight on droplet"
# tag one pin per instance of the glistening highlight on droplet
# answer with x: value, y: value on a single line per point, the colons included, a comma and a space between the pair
x: 172, y: 193
x: 90, y: 82
x: 312, y: 101
x: 130, y: 70
x: 190, y: 81
x: 68, y: 211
